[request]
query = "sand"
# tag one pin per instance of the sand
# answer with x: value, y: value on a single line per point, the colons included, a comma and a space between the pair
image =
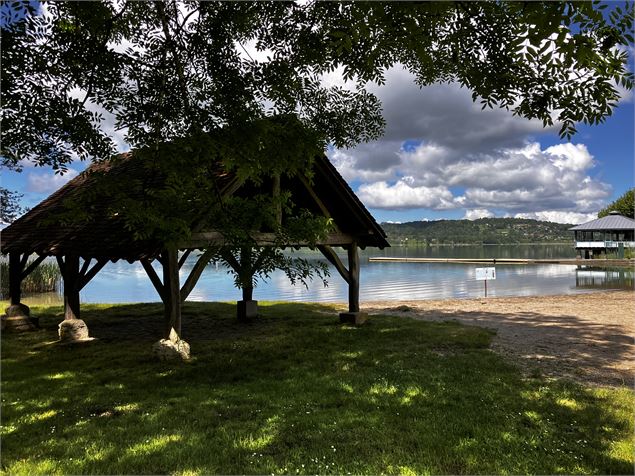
x: 588, y: 338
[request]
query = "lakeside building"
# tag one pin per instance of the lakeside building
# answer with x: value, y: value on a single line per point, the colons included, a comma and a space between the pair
x: 610, y: 234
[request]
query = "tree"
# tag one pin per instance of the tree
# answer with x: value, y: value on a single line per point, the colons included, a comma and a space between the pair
x: 10, y: 206
x: 625, y: 205
x: 168, y: 69
x: 178, y: 79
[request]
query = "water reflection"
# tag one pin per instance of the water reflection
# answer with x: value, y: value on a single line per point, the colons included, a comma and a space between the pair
x: 588, y: 277
x: 124, y: 282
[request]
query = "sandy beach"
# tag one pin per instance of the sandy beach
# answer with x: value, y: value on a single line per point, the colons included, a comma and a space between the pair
x: 585, y: 337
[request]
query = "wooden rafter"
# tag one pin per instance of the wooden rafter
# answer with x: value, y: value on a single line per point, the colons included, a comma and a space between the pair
x: 184, y: 256
x: 23, y: 261
x: 314, y: 196
x: 86, y: 276
x: 204, y: 239
x: 335, y: 260
x: 195, y: 274
x: 154, y: 278
x: 85, y: 266
x: 61, y: 264
x: 34, y: 264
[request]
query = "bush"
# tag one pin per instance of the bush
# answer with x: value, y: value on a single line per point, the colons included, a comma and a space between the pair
x: 45, y: 278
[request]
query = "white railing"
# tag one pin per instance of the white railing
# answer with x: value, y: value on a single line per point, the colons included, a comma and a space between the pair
x: 604, y: 244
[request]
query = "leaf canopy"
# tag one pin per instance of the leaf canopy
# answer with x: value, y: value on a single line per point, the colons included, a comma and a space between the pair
x: 167, y: 70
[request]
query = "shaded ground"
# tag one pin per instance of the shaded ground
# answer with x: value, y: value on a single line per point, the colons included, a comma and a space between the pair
x: 585, y: 337
x: 294, y: 392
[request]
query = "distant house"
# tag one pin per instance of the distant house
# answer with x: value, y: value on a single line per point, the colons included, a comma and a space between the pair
x: 609, y: 234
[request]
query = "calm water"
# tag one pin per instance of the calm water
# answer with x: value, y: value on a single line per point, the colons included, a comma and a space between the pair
x: 123, y: 282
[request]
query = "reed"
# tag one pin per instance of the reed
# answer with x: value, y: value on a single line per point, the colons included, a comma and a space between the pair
x: 45, y: 278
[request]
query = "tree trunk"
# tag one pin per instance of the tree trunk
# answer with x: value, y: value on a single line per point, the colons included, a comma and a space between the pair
x: 248, y: 293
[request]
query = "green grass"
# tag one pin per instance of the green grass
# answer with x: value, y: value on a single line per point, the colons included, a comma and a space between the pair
x: 295, y: 393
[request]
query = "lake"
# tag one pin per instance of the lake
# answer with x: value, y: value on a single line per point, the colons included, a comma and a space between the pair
x: 124, y: 282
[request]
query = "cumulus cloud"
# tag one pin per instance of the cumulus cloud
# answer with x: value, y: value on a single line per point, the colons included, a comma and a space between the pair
x: 559, y: 216
x: 404, y: 194
x: 477, y: 213
x: 48, y: 182
x: 441, y: 152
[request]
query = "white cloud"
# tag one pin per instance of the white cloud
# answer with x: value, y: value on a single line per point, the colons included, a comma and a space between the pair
x: 404, y: 194
x: 48, y: 182
x: 441, y: 151
x: 477, y: 213
x: 556, y: 216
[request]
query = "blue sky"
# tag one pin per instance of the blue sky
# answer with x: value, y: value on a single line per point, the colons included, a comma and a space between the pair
x: 443, y: 157
x: 392, y: 176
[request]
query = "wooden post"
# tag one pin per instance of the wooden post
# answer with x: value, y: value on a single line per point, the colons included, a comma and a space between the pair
x: 172, y: 291
x: 353, y: 284
x: 71, y: 287
x: 15, y: 278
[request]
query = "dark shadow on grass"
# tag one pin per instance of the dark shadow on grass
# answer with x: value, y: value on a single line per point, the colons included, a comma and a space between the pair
x: 294, y: 391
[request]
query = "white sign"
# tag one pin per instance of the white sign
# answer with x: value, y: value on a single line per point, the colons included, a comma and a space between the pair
x: 484, y: 274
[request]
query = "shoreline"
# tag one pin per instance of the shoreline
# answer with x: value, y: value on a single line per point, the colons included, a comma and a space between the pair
x: 586, y: 337
x: 519, y: 261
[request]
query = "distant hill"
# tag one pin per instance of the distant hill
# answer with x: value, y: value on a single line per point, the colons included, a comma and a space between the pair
x: 481, y: 231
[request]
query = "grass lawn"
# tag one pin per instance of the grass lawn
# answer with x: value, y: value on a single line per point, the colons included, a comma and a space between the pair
x: 295, y: 393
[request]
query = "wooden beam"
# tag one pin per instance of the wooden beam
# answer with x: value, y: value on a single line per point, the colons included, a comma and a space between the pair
x: 71, y: 287
x: 335, y: 260
x: 85, y: 266
x: 184, y: 257
x: 34, y: 264
x: 154, y: 278
x: 195, y: 274
x: 204, y: 239
x: 23, y: 261
x: 353, y: 284
x: 15, y: 278
x: 85, y: 277
x: 314, y: 196
x: 61, y: 265
x: 172, y: 302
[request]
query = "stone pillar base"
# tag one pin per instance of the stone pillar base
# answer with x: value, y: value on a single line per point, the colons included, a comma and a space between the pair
x: 355, y: 318
x: 73, y: 330
x: 246, y: 310
x: 18, y: 318
x: 18, y: 324
x: 15, y: 310
x: 173, y: 348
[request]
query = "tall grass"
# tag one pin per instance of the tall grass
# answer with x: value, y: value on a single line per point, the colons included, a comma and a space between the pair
x: 45, y: 278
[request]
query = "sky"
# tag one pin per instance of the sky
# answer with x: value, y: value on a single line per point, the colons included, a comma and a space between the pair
x: 443, y: 157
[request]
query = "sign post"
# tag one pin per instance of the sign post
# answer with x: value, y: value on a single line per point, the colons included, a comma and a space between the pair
x: 483, y: 274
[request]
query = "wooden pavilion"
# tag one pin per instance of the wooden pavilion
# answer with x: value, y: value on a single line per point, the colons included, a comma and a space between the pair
x: 82, y: 250
x: 610, y: 234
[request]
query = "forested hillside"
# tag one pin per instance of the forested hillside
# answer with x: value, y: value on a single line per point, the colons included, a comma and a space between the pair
x: 481, y: 231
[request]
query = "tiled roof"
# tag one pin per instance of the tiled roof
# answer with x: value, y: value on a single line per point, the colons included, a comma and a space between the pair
x: 107, y: 237
x: 609, y: 222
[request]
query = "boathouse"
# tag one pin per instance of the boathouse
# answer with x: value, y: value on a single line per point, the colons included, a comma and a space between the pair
x: 83, y: 249
x: 610, y: 234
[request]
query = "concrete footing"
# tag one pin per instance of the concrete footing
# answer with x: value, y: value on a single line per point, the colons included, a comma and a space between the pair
x: 355, y: 318
x: 18, y: 318
x: 246, y: 310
